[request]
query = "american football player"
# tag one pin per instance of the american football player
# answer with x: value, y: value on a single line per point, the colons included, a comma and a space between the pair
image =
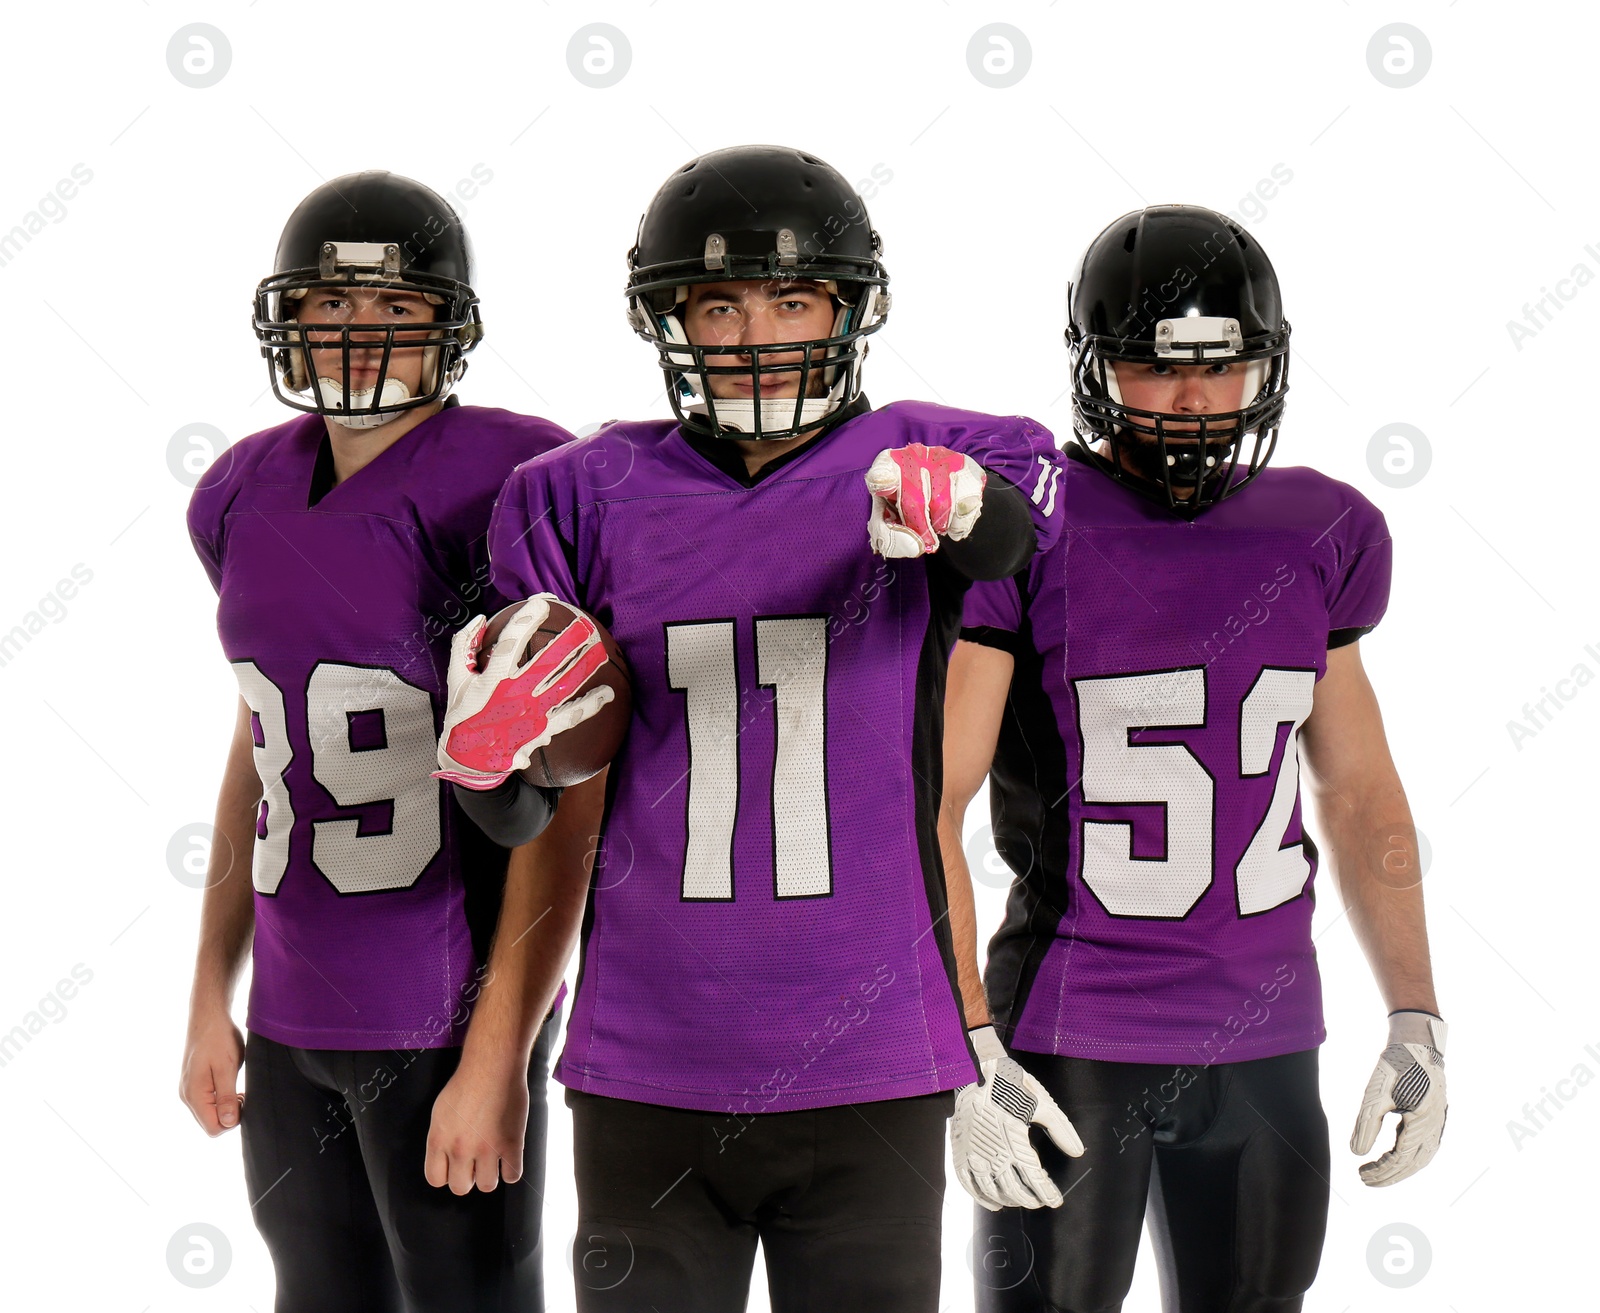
x: 767, y: 1025
x: 1142, y: 698
x: 385, y: 1062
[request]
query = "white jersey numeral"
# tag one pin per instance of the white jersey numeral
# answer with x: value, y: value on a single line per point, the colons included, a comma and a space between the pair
x: 700, y: 664
x: 1268, y: 874
x: 1117, y: 771
x: 1167, y: 775
x: 272, y: 757
x: 398, y: 772
x: 1044, y: 487
x: 792, y: 660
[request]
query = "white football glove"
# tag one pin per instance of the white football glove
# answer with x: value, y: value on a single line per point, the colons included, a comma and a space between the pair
x: 498, y: 717
x: 1409, y: 1080
x: 918, y: 493
x: 989, y: 1144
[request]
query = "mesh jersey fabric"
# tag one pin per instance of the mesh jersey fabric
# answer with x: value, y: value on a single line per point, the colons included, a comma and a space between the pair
x: 765, y: 929
x: 374, y: 894
x: 1145, y: 789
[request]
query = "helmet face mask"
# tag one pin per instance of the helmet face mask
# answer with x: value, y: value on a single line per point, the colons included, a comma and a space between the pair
x: 1185, y: 287
x: 364, y: 235
x: 774, y: 217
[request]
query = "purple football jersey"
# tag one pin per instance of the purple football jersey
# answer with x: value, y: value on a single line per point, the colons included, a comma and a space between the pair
x: 766, y: 928
x: 1145, y: 789
x: 374, y: 894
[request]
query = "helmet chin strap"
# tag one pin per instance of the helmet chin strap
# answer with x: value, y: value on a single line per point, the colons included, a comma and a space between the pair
x: 362, y: 406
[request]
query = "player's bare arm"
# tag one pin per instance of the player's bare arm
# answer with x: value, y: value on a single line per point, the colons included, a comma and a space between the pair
x: 1372, y: 847
x: 974, y: 702
x: 1371, y: 841
x: 214, y: 1048
x: 478, y: 1119
x: 989, y: 1144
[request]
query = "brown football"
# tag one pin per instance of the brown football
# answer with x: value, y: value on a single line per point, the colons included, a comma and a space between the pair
x: 586, y: 749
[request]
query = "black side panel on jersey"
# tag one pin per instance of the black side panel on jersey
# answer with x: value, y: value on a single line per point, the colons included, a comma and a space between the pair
x: 946, y: 589
x: 1028, y: 811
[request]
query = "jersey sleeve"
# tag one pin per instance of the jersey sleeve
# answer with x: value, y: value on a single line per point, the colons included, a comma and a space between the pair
x: 1022, y: 451
x: 512, y: 444
x: 533, y: 535
x: 490, y: 598
x: 1357, y: 588
x: 208, y: 511
x: 992, y: 613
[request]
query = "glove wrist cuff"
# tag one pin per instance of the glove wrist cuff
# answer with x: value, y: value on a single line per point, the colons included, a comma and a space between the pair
x: 1417, y: 1027
x: 986, y: 1043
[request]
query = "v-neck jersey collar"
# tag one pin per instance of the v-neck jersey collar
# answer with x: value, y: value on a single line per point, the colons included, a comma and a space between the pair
x: 322, y: 472
x: 725, y: 457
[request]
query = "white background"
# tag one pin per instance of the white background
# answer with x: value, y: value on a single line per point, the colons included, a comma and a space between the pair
x: 1416, y: 223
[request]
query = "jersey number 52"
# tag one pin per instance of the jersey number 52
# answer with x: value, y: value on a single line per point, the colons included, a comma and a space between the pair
x: 1119, y: 772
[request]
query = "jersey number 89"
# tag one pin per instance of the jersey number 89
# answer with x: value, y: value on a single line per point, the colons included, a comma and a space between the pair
x: 397, y: 771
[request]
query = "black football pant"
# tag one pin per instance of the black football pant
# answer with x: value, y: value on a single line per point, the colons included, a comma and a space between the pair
x: 334, y: 1141
x: 1229, y: 1162
x: 845, y: 1201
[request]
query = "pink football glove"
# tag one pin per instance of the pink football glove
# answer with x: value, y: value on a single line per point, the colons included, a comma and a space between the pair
x: 498, y: 717
x: 918, y: 493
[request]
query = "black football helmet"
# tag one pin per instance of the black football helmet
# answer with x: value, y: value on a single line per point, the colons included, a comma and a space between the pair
x: 757, y: 213
x: 1180, y: 285
x: 375, y: 231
